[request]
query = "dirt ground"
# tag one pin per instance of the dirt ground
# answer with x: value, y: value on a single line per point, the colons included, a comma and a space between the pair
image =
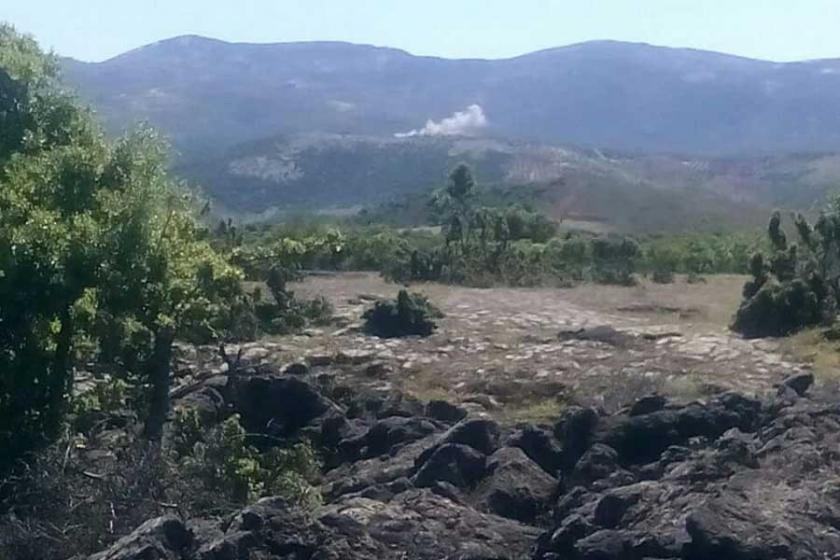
x: 524, y: 353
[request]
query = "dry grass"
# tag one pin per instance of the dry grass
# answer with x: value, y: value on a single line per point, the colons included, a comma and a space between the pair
x: 542, y: 411
x: 697, y: 306
x: 811, y: 347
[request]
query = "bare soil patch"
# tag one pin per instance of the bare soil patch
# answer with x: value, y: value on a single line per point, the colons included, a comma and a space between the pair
x: 502, y: 350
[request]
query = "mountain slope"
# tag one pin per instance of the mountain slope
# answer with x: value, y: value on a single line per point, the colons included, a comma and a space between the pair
x: 209, y: 94
x: 340, y: 173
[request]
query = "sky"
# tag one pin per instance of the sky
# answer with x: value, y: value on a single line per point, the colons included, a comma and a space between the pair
x: 780, y: 30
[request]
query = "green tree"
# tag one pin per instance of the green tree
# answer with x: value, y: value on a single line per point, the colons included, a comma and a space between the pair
x: 50, y: 159
x: 81, y: 218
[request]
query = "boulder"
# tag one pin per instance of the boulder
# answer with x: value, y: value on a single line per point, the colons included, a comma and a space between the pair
x: 642, y: 438
x: 539, y: 446
x: 162, y: 538
x: 279, y: 405
x: 799, y: 383
x: 515, y: 486
x: 446, y: 412
x: 460, y: 465
x: 648, y: 404
x: 575, y: 430
x: 481, y: 434
x: 385, y: 434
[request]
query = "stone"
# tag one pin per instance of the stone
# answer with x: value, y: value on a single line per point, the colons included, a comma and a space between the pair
x: 297, y: 369
x: 800, y: 382
x: 162, y: 538
x: 460, y: 465
x: 445, y: 412
x: 539, y: 445
x: 515, y: 486
x: 279, y: 405
x: 648, y: 404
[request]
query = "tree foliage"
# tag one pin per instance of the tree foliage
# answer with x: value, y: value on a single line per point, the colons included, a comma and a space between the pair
x: 91, y: 233
x: 797, y: 284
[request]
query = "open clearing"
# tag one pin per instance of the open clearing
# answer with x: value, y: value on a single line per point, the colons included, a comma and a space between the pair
x: 523, y: 353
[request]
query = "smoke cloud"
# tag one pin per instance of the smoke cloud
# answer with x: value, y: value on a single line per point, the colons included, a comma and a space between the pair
x: 469, y: 122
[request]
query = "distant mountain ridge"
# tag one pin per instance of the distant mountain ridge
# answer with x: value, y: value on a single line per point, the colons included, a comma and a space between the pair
x: 209, y: 94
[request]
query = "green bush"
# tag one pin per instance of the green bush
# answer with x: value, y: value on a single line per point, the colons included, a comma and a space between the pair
x: 778, y: 309
x: 797, y: 285
x: 409, y: 314
x: 222, y: 460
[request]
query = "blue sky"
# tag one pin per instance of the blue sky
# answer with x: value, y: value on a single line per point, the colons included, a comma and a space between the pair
x: 770, y: 29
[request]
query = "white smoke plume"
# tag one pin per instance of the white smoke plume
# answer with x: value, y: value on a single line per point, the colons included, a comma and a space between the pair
x: 469, y: 122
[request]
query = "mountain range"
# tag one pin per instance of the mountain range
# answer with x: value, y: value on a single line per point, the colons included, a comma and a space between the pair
x: 327, y: 124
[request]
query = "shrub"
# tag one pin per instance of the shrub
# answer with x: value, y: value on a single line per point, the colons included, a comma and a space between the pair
x: 778, y: 309
x: 409, y: 314
x: 797, y: 285
x: 224, y: 462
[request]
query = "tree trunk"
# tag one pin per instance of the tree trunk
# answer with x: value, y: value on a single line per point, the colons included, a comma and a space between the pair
x: 61, y: 382
x: 158, y: 371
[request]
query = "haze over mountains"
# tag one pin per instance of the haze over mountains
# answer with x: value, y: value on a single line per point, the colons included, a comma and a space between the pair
x: 264, y: 125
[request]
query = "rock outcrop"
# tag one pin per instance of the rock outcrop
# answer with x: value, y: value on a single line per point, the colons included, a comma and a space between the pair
x: 735, y: 478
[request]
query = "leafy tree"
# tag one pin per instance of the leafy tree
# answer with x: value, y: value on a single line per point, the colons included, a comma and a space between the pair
x: 456, y: 203
x: 83, y: 220
x: 51, y: 157
x: 158, y: 270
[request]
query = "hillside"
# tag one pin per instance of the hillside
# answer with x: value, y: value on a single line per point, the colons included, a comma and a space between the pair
x: 625, y: 192
x: 208, y: 94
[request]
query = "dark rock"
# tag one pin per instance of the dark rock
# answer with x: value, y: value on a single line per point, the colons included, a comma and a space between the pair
x: 356, y: 476
x: 575, y: 431
x: 600, y: 461
x: 738, y: 480
x: 736, y: 447
x: 419, y: 525
x: 800, y: 383
x: 641, y: 439
x: 279, y: 405
x: 454, y: 463
x: 480, y: 434
x: 713, y: 535
x: 385, y: 434
x: 608, y: 511
x: 232, y: 546
x: 539, y: 446
x: 297, y: 369
x: 515, y: 486
x: 162, y: 538
x: 563, y: 539
x: 445, y: 412
x: 447, y: 490
x: 648, y: 404
x: 569, y: 502
x: 400, y: 485
x: 606, y: 544
x: 208, y: 402
x: 401, y: 405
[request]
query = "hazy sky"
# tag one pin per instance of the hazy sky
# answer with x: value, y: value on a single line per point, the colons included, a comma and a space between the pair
x: 771, y: 29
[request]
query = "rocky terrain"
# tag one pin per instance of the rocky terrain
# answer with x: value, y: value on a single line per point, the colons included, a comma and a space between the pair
x: 746, y: 474
x: 732, y: 477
